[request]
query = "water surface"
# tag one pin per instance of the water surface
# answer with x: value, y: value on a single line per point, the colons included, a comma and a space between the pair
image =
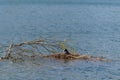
x: 93, y: 29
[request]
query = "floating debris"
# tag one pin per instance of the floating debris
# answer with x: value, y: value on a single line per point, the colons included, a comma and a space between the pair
x: 43, y: 48
x: 62, y: 56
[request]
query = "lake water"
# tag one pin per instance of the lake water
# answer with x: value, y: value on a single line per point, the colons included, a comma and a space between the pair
x: 93, y: 29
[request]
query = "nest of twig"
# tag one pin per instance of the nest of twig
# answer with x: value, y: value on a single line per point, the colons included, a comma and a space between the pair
x: 42, y: 48
x: 28, y: 49
x: 62, y: 56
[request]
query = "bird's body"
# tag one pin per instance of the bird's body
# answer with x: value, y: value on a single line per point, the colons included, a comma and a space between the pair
x: 66, y: 51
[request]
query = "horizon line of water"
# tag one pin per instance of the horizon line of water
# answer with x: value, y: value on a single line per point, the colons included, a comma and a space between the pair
x: 93, y: 2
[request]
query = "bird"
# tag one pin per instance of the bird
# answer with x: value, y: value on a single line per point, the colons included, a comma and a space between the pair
x: 66, y: 51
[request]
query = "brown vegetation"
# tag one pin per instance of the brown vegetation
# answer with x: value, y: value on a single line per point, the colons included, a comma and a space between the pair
x: 33, y: 48
x: 62, y: 56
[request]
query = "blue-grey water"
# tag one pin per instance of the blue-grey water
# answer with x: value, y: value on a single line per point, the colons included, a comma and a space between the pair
x: 93, y: 28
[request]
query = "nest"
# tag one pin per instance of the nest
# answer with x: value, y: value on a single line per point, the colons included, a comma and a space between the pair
x: 65, y: 56
x: 62, y: 56
x: 43, y: 48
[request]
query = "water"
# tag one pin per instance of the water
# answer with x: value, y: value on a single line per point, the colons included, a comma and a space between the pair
x: 92, y: 29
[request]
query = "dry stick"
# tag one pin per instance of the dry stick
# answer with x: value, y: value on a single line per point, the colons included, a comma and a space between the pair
x: 45, y: 48
x: 29, y: 42
x: 17, y: 49
x: 8, y: 56
x: 35, y: 47
x: 9, y: 48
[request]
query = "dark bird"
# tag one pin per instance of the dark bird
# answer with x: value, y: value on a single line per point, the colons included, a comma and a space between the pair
x: 66, y: 51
